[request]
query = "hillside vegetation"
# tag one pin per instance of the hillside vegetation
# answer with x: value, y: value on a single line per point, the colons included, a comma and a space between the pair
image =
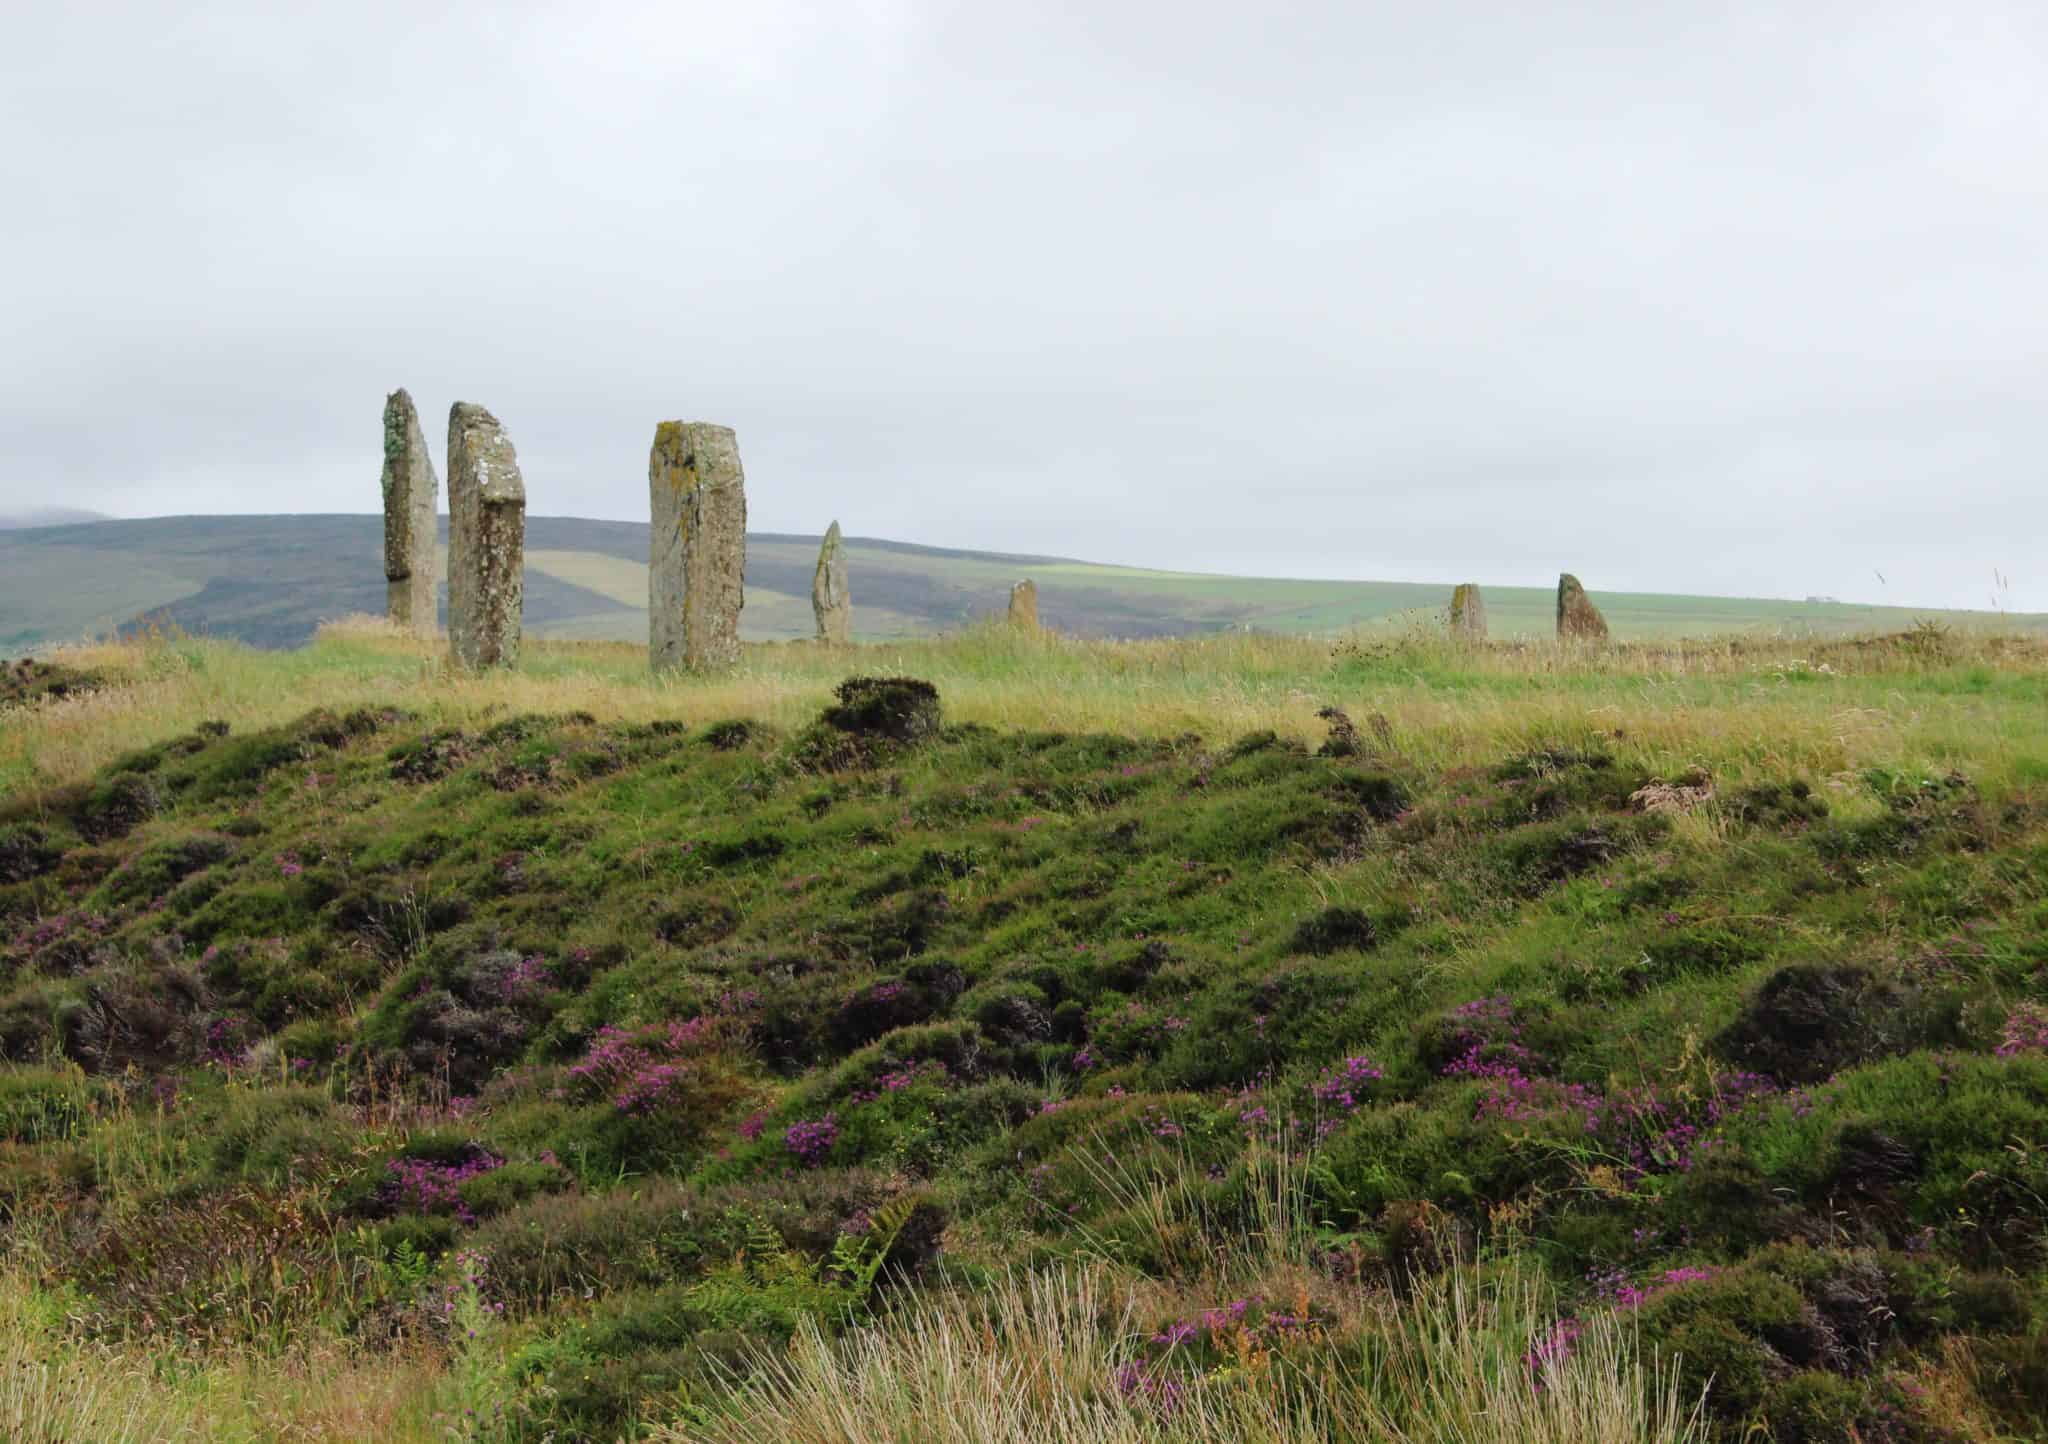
x: 1226, y: 1039
x: 272, y: 580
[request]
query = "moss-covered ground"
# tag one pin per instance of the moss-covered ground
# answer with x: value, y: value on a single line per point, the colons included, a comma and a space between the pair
x: 581, y: 1062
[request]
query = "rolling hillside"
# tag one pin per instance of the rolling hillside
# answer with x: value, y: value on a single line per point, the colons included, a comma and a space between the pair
x: 271, y: 580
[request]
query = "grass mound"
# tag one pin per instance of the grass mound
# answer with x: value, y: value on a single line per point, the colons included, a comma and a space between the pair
x: 666, y: 1078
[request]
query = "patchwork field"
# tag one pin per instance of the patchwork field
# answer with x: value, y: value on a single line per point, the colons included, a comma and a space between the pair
x: 1223, y: 1038
x: 271, y: 581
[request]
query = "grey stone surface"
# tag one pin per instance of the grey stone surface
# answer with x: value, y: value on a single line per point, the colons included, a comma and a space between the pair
x: 1024, y: 604
x: 486, y: 540
x: 1468, y: 613
x: 411, y: 501
x: 1578, y: 620
x: 831, y: 602
x: 696, y: 567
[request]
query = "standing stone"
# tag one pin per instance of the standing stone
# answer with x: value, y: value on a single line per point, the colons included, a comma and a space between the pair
x: 1024, y: 604
x: 1468, y: 613
x: 1578, y: 620
x: 697, y: 560
x: 411, y: 503
x: 486, y: 540
x: 830, y: 599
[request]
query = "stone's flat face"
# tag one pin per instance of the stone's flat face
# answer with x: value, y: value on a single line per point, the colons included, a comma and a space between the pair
x: 697, y: 560
x: 486, y: 540
x: 831, y: 602
x: 411, y: 503
x: 1468, y: 613
x: 1024, y: 604
x: 1578, y: 620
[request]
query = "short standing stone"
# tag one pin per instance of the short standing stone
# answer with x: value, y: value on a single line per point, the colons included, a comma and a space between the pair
x: 1578, y: 620
x: 1468, y: 613
x: 411, y: 504
x: 830, y: 600
x: 486, y: 540
x: 1024, y: 604
x: 697, y: 560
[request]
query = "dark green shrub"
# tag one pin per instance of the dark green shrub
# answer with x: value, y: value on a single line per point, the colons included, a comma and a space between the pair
x: 653, y: 1232
x: 1336, y: 930
x: 1380, y: 796
x: 431, y: 757
x: 1775, y: 804
x: 26, y: 851
x: 157, y: 869
x: 731, y: 734
x: 900, y: 709
x: 1811, y: 1020
x: 117, y: 806
x: 1814, y: 1408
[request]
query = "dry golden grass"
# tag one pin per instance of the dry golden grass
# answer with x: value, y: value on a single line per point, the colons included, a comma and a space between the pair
x: 1740, y: 705
x: 55, y: 1390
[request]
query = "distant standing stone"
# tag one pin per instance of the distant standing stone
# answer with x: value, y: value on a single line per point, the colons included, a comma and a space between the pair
x: 411, y: 504
x: 697, y: 559
x: 486, y: 540
x: 1468, y: 613
x: 1024, y: 604
x: 830, y: 599
x: 1578, y: 620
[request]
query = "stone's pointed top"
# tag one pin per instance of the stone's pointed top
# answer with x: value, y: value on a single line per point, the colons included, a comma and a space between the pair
x: 831, y: 601
x: 489, y: 450
x: 696, y: 453
x: 1024, y: 603
x: 1577, y: 618
x: 1468, y: 612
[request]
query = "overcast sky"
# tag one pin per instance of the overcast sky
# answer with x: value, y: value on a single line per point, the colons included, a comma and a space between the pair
x: 1681, y: 296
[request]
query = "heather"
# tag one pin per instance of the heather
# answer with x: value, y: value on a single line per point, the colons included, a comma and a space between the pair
x: 1377, y: 1041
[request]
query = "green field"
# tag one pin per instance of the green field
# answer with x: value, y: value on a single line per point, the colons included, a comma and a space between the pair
x: 1242, y: 1038
x: 271, y: 581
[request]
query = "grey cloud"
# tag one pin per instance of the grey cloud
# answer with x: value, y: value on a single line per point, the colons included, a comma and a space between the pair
x: 1722, y: 298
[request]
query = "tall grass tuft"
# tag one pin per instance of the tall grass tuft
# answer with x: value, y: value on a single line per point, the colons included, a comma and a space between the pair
x: 1037, y: 1358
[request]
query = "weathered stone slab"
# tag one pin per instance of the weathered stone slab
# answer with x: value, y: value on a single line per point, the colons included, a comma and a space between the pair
x: 1578, y: 620
x: 831, y: 602
x: 411, y: 504
x: 697, y: 561
x: 1024, y: 604
x: 486, y: 540
x: 1468, y: 613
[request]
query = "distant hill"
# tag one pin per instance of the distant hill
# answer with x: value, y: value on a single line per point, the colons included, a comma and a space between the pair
x: 271, y: 580
x: 48, y: 516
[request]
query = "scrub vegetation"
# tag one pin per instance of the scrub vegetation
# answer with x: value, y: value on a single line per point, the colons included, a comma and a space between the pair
x: 1014, y: 1038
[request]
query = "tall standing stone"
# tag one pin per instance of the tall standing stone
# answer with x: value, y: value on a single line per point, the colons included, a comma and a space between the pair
x: 830, y: 600
x: 1468, y: 613
x: 1578, y: 620
x: 1024, y: 604
x: 486, y: 540
x: 411, y: 504
x: 697, y: 562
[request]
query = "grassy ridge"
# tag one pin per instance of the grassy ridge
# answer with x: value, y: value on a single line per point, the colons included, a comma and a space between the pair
x: 1552, y: 1037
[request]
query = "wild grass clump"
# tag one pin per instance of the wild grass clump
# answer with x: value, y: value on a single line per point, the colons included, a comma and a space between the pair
x: 1068, y: 1355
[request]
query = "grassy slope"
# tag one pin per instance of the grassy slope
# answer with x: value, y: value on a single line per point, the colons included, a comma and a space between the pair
x: 1754, y: 1042
x: 272, y: 580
